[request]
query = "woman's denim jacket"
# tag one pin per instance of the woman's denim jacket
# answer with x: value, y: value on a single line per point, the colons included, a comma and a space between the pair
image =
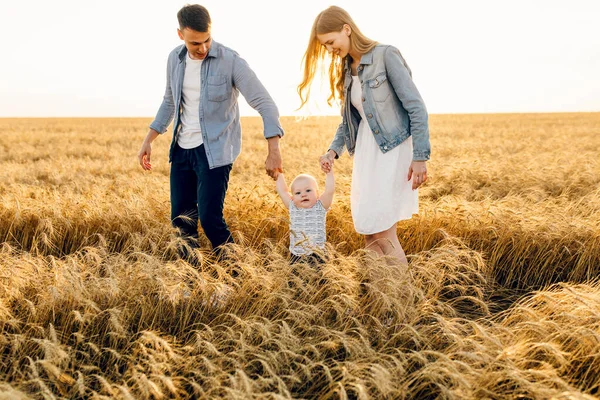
x: 391, y: 102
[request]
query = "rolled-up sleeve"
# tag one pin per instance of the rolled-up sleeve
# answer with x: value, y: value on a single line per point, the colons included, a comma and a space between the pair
x: 166, y: 111
x: 338, y: 143
x: 400, y: 77
x: 257, y: 97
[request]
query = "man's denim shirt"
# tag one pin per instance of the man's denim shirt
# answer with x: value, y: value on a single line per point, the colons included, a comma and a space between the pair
x: 391, y: 102
x: 224, y: 74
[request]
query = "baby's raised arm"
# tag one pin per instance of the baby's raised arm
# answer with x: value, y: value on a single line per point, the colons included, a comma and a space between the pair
x: 327, y: 196
x: 282, y: 190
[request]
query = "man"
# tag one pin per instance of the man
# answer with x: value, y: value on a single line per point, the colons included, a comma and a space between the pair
x: 203, y: 81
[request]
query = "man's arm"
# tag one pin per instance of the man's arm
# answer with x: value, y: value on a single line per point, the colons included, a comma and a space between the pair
x: 282, y: 190
x: 163, y: 118
x: 327, y: 196
x: 166, y: 111
x: 274, y: 163
x: 258, y: 97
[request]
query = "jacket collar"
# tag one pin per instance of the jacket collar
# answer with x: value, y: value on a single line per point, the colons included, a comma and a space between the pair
x: 212, y: 52
x: 366, y: 59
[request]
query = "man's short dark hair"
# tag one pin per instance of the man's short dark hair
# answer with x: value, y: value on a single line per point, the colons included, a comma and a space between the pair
x: 195, y: 17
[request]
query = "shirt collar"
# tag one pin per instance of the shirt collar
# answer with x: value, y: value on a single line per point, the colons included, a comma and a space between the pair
x: 212, y: 52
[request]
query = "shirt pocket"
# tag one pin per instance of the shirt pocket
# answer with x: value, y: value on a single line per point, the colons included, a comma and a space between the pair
x: 380, y: 87
x: 217, y: 88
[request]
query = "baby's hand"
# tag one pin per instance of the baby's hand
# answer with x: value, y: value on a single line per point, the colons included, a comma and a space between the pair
x: 326, y: 161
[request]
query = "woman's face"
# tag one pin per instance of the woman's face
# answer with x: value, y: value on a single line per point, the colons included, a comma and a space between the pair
x: 336, y: 43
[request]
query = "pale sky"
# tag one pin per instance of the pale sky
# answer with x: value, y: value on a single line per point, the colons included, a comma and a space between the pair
x: 107, y: 58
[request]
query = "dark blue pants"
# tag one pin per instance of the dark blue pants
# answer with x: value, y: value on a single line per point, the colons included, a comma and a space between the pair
x: 312, y: 259
x: 198, y: 193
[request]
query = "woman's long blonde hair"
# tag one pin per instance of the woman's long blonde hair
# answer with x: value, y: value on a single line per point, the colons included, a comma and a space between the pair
x: 332, y: 19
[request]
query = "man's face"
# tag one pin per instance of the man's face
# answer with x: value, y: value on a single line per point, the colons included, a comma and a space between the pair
x: 197, y: 43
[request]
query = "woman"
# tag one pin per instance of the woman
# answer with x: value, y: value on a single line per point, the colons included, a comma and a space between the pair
x: 384, y: 126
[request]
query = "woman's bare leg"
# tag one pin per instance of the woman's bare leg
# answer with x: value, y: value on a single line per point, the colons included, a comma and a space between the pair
x: 382, y: 278
x: 372, y: 245
x: 386, y: 243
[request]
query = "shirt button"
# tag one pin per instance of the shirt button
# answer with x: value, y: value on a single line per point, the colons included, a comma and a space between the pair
x: 385, y: 147
x: 370, y: 115
x: 360, y: 68
x: 363, y: 99
x: 376, y: 131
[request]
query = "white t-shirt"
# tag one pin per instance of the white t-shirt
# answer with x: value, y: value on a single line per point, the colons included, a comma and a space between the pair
x: 307, y: 228
x: 190, y: 134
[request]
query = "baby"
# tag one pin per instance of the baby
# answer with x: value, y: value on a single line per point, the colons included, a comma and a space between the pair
x: 308, y: 212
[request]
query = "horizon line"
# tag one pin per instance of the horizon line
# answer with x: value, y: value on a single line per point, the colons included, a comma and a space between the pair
x: 304, y: 116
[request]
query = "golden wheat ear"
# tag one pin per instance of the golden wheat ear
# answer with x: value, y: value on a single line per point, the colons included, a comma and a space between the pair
x: 499, y: 299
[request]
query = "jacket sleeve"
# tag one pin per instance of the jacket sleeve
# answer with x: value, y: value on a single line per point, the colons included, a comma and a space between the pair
x: 166, y: 111
x: 257, y: 97
x: 339, y: 144
x: 401, y: 79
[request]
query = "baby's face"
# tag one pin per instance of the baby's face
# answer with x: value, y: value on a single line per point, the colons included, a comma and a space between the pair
x: 304, y: 193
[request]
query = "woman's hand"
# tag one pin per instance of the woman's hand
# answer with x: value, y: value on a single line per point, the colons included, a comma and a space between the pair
x: 326, y: 161
x: 418, y: 172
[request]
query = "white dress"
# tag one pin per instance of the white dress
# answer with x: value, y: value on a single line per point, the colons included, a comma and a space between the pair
x: 381, y: 193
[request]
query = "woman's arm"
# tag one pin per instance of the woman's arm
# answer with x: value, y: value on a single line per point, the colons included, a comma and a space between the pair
x: 400, y: 77
x: 338, y: 144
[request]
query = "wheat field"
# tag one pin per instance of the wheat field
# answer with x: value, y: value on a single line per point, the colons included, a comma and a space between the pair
x: 501, y: 298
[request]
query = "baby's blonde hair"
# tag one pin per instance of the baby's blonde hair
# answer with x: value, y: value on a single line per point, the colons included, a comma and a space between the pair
x: 302, y: 177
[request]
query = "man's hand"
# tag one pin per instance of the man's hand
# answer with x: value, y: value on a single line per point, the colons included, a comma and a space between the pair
x: 144, y: 156
x: 146, y: 150
x: 418, y: 172
x: 274, y: 162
